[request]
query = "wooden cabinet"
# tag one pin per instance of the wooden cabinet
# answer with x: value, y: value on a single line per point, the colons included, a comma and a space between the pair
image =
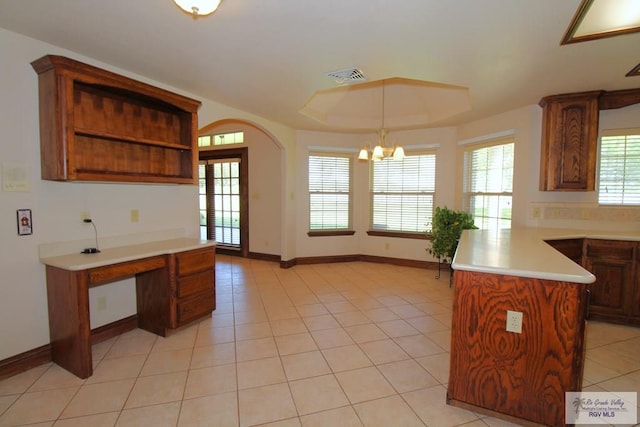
x: 510, y: 375
x: 569, y: 141
x: 613, y: 292
x: 96, y: 125
x: 571, y: 248
x: 193, y: 286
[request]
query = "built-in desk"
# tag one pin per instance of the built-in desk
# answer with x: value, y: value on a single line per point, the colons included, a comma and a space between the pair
x: 175, y: 284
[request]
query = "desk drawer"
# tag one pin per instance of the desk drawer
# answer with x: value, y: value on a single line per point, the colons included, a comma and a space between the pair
x: 110, y: 273
x: 194, y: 307
x: 193, y: 261
x: 196, y: 283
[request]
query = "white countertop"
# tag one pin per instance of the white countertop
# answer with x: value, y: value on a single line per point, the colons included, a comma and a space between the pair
x: 114, y: 255
x: 523, y: 252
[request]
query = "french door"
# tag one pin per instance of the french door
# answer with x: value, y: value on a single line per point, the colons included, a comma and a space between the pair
x: 223, y: 199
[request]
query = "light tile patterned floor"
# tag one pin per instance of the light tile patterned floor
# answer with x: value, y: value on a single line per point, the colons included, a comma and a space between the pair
x: 353, y: 344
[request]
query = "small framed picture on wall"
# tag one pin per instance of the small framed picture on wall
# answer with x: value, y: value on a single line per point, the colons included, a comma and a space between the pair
x: 25, y: 226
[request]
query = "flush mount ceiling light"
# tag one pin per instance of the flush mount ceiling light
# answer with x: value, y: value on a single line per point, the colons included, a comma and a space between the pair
x: 197, y: 8
x: 596, y: 19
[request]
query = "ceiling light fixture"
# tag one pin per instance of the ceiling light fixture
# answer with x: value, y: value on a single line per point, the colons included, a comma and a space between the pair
x: 596, y: 19
x: 382, y: 150
x: 197, y: 8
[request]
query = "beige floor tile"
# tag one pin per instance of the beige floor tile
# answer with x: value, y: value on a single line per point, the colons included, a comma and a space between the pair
x: 391, y: 300
x: 214, y: 335
x: 437, y: 365
x: 430, y: 405
x: 318, y: 323
x: 365, y: 333
x: 37, y: 407
x: 364, y: 384
x: 211, y: 380
x: 346, y: 358
x: 427, y: 324
x: 213, y: 355
x: 282, y: 313
x: 383, y: 351
x: 131, y: 345
x: 343, y: 417
x: 388, y: 411
x: 256, y: 373
x: 351, y: 318
x: 216, y: 410
x: 163, y: 415
x: 297, y: 343
x: 252, y: 316
x: 7, y: 401
x: 256, y: 349
x: 311, y: 309
x: 117, y: 369
x: 340, y: 307
x: 265, y: 404
x: 329, y: 338
x: 157, y: 389
x: 407, y: 311
x: 381, y: 314
x: 288, y: 326
x: 397, y: 328
x: 97, y: 398
x: 304, y: 365
x: 407, y: 375
x: 418, y: 345
x: 21, y: 382
x: 317, y: 394
x: 252, y: 331
x: 290, y: 422
x: 57, y: 377
x: 100, y: 420
x: 167, y: 361
x: 185, y: 338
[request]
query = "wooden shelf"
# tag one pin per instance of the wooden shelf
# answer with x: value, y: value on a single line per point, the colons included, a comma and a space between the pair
x: 99, y: 126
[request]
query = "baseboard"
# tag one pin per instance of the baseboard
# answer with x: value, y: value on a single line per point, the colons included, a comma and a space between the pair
x: 366, y: 258
x: 41, y: 355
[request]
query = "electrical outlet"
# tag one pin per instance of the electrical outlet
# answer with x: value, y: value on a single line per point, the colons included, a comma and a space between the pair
x: 135, y: 215
x: 514, y: 321
x: 85, y: 215
x: 101, y: 303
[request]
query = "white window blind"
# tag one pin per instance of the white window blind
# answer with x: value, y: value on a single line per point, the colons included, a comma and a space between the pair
x: 488, y: 183
x: 402, y: 193
x: 619, y: 168
x: 329, y: 192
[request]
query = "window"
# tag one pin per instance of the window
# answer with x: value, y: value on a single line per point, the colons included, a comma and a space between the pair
x: 221, y: 139
x: 402, y: 193
x: 488, y: 183
x: 619, y: 168
x: 329, y: 192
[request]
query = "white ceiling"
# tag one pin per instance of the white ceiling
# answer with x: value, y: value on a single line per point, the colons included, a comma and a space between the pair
x: 268, y: 57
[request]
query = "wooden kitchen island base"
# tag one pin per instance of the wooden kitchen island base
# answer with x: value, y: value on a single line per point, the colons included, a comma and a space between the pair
x: 519, y: 377
x: 175, y: 285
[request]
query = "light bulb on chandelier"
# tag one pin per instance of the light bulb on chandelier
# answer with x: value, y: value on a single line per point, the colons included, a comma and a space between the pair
x: 382, y: 150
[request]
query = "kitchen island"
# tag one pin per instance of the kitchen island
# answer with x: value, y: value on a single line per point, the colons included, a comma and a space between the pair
x: 520, y: 374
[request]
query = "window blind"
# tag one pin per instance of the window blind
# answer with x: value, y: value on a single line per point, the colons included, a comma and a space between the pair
x: 329, y: 192
x: 403, y: 193
x: 488, y: 183
x: 619, y: 175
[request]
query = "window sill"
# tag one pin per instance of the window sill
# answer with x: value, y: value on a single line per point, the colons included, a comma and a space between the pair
x: 324, y: 233
x: 400, y: 234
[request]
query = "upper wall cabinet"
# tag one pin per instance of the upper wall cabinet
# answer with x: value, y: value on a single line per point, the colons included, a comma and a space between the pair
x: 570, y: 136
x: 99, y: 126
x: 569, y: 141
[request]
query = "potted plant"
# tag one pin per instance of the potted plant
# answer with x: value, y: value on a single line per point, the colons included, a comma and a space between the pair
x: 446, y: 229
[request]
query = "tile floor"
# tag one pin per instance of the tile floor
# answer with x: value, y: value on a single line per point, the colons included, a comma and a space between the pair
x: 353, y: 344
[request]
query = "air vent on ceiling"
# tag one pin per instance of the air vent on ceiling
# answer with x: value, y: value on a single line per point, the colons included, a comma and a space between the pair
x: 346, y: 76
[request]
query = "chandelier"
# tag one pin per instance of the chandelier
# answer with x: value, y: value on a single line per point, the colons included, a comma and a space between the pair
x: 198, y: 8
x: 382, y: 150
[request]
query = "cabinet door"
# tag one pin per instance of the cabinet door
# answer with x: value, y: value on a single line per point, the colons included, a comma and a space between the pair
x: 612, y: 292
x: 569, y: 142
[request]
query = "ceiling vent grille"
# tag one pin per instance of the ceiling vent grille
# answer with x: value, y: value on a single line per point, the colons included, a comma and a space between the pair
x: 346, y: 76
